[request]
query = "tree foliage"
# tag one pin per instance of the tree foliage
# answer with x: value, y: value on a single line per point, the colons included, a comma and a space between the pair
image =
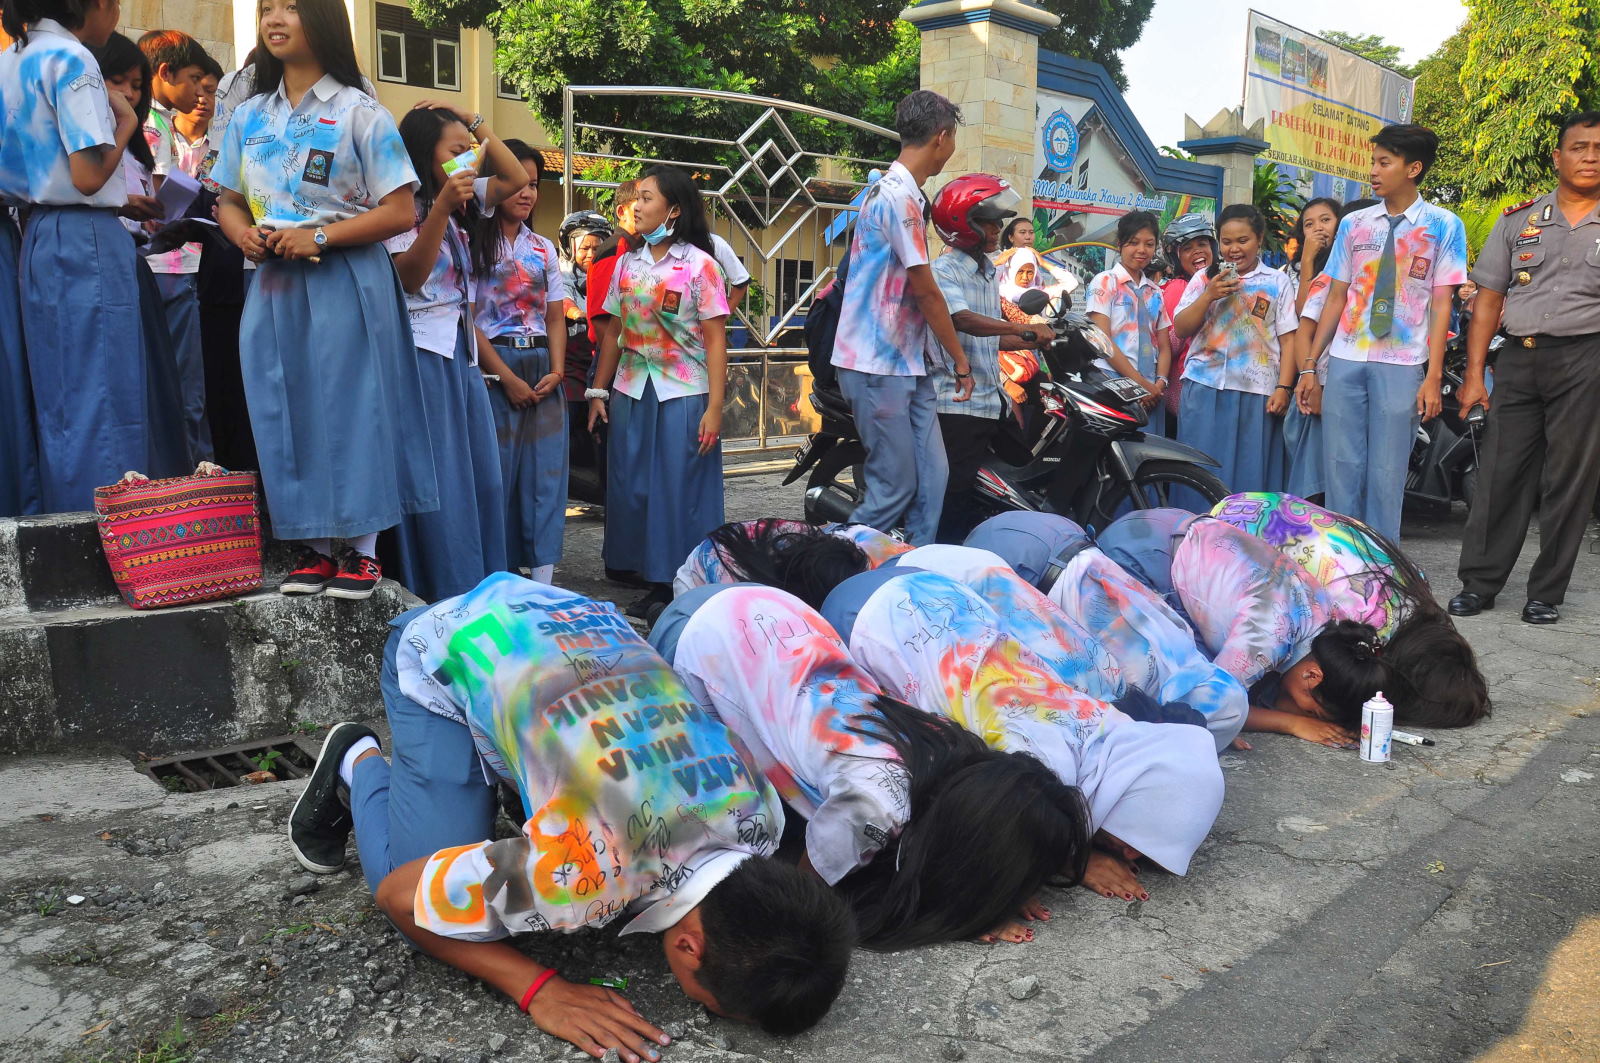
x: 1097, y: 30
x: 1438, y: 106
x: 1370, y: 46
x: 1528, y: 63
x: 1272, y: 195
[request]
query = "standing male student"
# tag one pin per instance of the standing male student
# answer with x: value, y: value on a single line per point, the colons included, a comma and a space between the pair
x: 890, y: 307
x: 1394, y: 267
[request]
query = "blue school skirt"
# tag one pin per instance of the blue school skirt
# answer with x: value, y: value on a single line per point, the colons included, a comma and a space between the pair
x: 450, y: 550
x: 19, y: 446
x: 335, y: 395
x: 1302, y: 436
x: 533, y: 461
x: 1235, y: 428
x: 662, y: 497
x: 170, y: 453
x: 88, y: 365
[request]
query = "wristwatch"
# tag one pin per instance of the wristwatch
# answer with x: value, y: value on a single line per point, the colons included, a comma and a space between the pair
x: 320, y: 237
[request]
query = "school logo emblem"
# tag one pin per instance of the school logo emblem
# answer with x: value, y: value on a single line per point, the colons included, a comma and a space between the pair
x: 1419, y: 268
x: 1060, y: 141
x: 318, y: 165
x: 1262, y: 305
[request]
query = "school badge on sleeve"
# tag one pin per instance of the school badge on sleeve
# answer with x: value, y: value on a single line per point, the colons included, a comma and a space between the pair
x: 319, y: 164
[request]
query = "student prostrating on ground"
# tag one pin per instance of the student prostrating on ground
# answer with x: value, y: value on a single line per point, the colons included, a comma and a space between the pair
x: 639, y: 805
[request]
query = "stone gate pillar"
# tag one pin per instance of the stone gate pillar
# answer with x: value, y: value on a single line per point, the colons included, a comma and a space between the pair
x: 983, y: 55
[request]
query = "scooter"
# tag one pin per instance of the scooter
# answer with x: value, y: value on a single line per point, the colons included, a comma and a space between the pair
x: 1080, y: 451
x: 1443, y: 467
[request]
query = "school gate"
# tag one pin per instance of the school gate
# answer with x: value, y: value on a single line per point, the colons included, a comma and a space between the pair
x: 780, y: 197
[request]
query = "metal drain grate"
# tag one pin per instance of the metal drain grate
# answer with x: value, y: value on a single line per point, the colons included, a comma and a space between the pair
x: 287, y: 757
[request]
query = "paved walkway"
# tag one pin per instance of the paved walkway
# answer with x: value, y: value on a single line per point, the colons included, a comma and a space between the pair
x: 1443, y: 907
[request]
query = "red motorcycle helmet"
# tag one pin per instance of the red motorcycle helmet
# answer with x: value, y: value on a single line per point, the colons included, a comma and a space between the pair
x: 965, y: 202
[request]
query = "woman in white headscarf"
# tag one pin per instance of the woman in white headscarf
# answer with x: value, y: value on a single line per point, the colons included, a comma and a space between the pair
x: 1153, y: 790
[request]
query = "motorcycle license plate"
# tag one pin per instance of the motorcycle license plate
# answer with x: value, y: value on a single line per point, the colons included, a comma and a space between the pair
x: 803, y: 453
x: 1125, y: 388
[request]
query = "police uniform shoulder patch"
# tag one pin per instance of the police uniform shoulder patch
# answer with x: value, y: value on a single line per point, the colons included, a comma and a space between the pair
x: 1520, y: 206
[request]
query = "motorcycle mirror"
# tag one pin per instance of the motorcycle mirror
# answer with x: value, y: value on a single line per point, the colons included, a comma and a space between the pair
x: 1033, y: 301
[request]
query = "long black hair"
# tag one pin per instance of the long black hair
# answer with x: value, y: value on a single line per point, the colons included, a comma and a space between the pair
x: 421, y: 129
x: 680, y: 191
x: 116, y: 57
x: 1426, y: 669
x: 1300, y: 230
x: 327, y: 30
x: 17, y: 15
x: 1011, y: 227
x: 986, y: 831
x: 807, y: 563
x: 485, y: 236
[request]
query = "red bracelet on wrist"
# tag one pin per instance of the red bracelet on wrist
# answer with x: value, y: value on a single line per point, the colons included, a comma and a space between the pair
x: 538, y: 984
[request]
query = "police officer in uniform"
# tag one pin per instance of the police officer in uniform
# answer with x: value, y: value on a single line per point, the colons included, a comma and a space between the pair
x: 1541, y: 265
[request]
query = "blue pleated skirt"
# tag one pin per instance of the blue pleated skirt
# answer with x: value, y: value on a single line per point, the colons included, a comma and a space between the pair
x: 19, y: 445
x: 1235, y: 428
x: 335, y: 395
x: 450, y: 550
x: 662, y: 496
x: 533, y: 463
x: 1302, y: 435
x: 88, y: 364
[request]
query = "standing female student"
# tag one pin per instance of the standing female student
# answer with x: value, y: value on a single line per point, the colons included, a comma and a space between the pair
x: 902, y: 808
x: 664, y: 354
x: 1153, y: 789
x: 1127, y: 306
x: 522, y: 303
x: 61, y: 149
x: 1237, y: 385
x: 450, y: 550
x: 1302, y: 424
x: 314, y: 177
x: 1190, y: 243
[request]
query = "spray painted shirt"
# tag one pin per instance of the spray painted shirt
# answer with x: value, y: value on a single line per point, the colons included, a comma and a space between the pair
x: 881, y: 328
x: 1150, y: 643
x: 1316, y: 300
x: 1071, y: 653
x: 439, y: 308
x: 1254, y: 611
x: 53, y: 103
x: 1430, y: 251
x: 1338, y: 553
x: 776, y: 673
x: 189, y: 155
x: 662, y: 306
x: 935, y: 644
x: 1237, y: 346
x: 878, y: 546
x: 513, y: 298
x: 332, y: 157
x: 1136, y: 312
x: 636, y: 798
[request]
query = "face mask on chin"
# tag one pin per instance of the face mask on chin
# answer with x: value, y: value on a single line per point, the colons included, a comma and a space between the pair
x: 658, y: 234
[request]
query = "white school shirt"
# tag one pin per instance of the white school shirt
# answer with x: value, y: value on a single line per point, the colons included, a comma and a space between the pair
x: 770, y: 668
x: 53, y: 103
x: 1237, y: 347
x: 438, y: 309
x: 637, y: 801
x: 187, y: 155
x: 732, y: 269
x: 332, y: 157
x: 139, y: 182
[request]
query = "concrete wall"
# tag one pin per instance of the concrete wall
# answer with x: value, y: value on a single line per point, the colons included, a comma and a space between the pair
x: 208, y: 21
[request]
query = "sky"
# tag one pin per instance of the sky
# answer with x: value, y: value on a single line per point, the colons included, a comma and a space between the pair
x: 1190, y: 59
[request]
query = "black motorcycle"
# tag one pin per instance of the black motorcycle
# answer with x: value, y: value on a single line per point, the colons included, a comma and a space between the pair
x: 1443, y: 467
x: 1080, y: 450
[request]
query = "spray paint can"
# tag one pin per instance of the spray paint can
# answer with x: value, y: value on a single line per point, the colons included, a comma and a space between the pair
x: 1377, y: 728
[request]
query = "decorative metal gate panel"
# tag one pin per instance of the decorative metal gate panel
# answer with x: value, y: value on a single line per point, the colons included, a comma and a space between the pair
x: 784, y: 206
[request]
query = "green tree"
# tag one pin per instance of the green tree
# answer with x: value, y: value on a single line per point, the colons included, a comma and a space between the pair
x: 1370, y: 46
x: 1438, y: 106
x: 1097, y: 30
x: 1277, y: 203
x: 1528, y: 63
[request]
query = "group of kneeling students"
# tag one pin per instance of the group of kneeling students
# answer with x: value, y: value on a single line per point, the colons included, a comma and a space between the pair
x: 956, y: 726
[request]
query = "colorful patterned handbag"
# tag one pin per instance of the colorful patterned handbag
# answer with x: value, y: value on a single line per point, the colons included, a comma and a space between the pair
x: 188, y: 539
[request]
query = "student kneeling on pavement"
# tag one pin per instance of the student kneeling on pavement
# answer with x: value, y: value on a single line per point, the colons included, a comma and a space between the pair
x: 639, y: 806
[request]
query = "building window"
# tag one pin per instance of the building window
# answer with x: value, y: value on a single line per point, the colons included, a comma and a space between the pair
x: 414, y: 54
x: 1083, y: 175
x: 506, y: 90
x: 794, y: 277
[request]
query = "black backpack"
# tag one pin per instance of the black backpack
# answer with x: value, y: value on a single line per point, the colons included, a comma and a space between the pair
x: 822, y: 325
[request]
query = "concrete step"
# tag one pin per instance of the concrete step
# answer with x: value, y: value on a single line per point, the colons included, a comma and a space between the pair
x: 80, y: 670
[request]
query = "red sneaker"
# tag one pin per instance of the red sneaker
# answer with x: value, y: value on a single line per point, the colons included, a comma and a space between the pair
x: 313, y: 571
x: 358, y: 577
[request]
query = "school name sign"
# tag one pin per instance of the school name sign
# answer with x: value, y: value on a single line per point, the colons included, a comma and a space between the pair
x: 1319, y: 103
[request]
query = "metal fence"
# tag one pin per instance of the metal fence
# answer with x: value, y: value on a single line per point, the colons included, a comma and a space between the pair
x: 783, y: 205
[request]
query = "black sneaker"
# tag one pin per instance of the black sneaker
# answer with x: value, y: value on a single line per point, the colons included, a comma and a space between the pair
x: 651, y: 605
x: 320, y: 824
x: 358, y: 577
x: 313, y: 570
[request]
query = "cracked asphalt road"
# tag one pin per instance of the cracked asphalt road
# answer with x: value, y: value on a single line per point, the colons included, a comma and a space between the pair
x: 1443, y: 907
